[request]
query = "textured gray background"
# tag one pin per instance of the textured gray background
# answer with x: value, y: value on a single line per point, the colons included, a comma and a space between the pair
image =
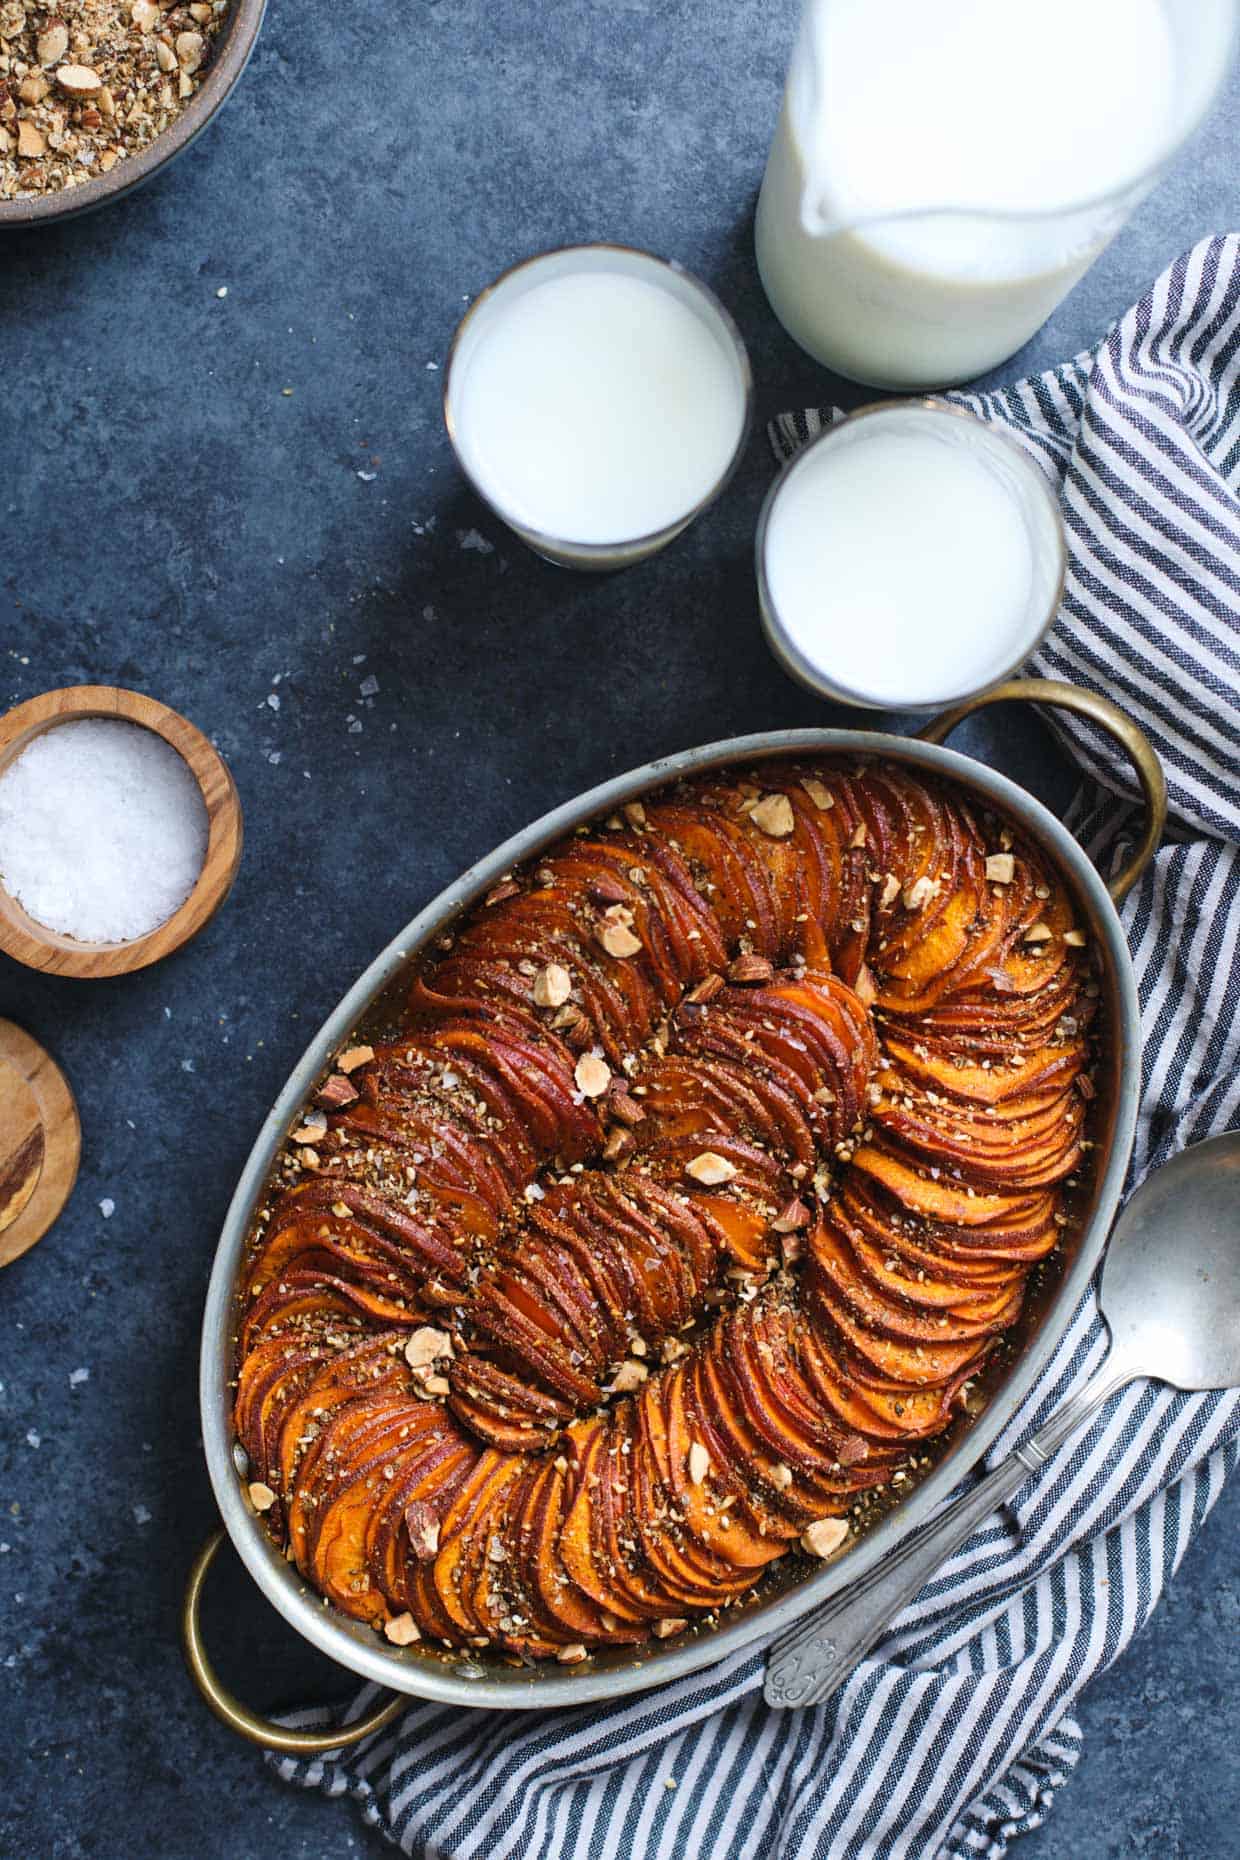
x: 169, y: 519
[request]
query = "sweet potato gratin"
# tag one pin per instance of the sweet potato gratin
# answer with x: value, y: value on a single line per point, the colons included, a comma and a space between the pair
x: 702, y: 1174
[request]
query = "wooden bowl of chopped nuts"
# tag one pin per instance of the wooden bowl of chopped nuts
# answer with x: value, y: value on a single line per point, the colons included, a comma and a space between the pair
x: 95, y: 103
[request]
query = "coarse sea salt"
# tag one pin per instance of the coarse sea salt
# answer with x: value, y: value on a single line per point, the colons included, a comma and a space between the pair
x: 103, y: 830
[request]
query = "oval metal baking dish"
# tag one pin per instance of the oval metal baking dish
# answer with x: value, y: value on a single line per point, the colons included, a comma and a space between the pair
x: 423, y: 1673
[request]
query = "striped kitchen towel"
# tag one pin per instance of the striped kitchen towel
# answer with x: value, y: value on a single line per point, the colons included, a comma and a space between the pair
x: 954, y: 1736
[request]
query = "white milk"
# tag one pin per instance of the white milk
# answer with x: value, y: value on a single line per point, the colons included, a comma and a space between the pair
x: 909, y: 560
x: 596, y: 406
x: 995, y: 107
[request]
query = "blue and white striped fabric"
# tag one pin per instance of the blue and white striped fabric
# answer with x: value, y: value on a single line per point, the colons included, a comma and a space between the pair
x: 956, y: 1734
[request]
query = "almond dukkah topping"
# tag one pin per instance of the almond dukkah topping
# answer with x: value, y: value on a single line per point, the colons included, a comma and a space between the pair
x: 711, y: 1169
x: 593, y: 1075
x: 552, y: 986
x: 774, y: 816
x: 825, y: 1537
x: 81, y: 92
x: 354, y: 1057
x: 402, y: 1630
x: 676, y: 1428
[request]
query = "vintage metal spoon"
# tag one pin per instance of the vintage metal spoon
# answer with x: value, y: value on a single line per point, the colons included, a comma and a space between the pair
x: 1171, y: 1299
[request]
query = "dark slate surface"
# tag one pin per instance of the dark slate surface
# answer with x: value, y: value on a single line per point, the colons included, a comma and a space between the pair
x: 172, y: 520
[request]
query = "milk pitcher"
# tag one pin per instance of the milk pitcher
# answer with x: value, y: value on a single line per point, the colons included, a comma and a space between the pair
x: 944, y: 171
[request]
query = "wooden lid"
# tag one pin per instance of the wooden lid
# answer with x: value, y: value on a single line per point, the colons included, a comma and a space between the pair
x: 40, y: 1141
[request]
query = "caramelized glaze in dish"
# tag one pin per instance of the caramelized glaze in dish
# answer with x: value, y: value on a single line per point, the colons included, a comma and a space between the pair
x: 704, y: 1171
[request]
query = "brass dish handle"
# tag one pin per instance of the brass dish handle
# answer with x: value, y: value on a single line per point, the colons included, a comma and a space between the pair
x: 1132, y: 740
x: 239, y: 1717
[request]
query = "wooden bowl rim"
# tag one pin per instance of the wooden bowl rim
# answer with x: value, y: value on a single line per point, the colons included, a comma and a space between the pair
x: 62, y: 1139
x: 234, y: 48
x: 32, y: 943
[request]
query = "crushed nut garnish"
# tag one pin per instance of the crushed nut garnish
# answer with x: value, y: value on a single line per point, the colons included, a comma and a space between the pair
x: 593, y: 1075
x: 402, y: 1630
x: 774, y: 816
x: 355, y: 1056
x: 1001, y: 868
x: 920, y: 892
x: 552, y: 986
x: 618, y: 940
x: 261, y: 1496
x: 669, y: 1625
x: 711, y: 1169
x: 825, y: 1537
x: 628, y: 1377
x: 425, y: 1345
x: 79, y: 94
x: 699, y: 1462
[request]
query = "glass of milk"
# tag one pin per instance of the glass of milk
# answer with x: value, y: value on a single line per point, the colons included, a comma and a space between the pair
x: 598, y: 399
x: 908, y: 557
x: 944, y: 171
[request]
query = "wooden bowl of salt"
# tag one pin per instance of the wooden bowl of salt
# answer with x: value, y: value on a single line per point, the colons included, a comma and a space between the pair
x: 120, y: 831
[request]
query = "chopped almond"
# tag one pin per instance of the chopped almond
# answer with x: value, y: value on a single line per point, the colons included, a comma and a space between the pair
x: 773, y: 815
x: 402, y: 1630
x: 1039, y: 933
x: 572, y: 1655
x: 261, y: 1496
x: 710, y: 1169
x: 1075, y: 938
x: 593, y: 1075
x: 918, y: 893
x: 355, y: 1056
x: 628, y: 1377
x: 552, y: 986
x: 825, y: 1537
x: 618, y: 940
x: 890, y: 891
x: 53, y: 43
x: 818, y: 794
x: 669, y: 1625
x: 781, y: 1476
x: 793, y: 1215
x: 1001, y: 868
x: 312, y: 1131
x: 426, y: 1345
x: 699, y: 1462
x: 423, y: 1528
x: 79, y: 80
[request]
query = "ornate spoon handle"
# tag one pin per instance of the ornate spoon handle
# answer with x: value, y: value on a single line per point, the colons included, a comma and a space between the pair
x: 808, y: 1663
